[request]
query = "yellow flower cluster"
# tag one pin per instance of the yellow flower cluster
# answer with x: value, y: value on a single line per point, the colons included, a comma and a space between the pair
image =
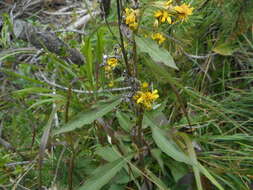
x: 111, y: 63
x: 131, y: 18
x: 158, y: 37
x: 162, y: 16
x: 145, y: 97
x: 179, y: 13
x: 183, y: 11
x: 144, y: 85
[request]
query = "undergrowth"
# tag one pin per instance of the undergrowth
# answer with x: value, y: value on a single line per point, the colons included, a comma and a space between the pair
x: 164, y: 101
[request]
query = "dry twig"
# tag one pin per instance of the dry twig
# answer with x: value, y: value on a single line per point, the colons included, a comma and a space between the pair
x: 41, y: 75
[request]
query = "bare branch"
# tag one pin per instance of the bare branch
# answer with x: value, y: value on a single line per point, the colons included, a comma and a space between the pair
x: 60, y: 13
x: 82, y: 91
x: 72, y: 30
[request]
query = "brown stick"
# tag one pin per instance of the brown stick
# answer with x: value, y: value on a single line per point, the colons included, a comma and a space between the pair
x: 47, y: 40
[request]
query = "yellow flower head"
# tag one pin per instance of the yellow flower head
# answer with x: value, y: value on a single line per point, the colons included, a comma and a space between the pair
x: 183, y: 11
x: 146, y: 99
x: 131, y: 18
x: 133, y: 26
x: 113, y: 62
x: 158, y: 37
x: 111, y: 84
x: 162, y: 16
x: 144, y: 85
x: 108, y: 68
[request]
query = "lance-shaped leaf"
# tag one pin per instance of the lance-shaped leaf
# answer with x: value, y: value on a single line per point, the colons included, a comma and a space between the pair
x: 103, y: 175
x: 88, y: 117
x: 44, y: 141
x: 167, y: 146
x: 193, y: 157
x: 107, y: 153
x: 124, y: 121
x: 171, y: 149
x: 158, y: 54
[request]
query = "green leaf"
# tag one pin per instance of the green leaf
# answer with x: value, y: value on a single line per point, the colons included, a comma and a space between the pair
x: 59, y: 62
x: 16, y: 75
x: 116, y: 187
x: 88, y: 117
x: 158, y: 70
x: 171, y: 149
x: 235, y: 137
x: 110, y: 154
x: 107, y: 153
x: 157, y: 154
x: 44, y: 140
x: 158, y: 54
x: 50, y: 100
x: 224, y: 49
x: 124, y: 121
x: 209, y: 176
x: 177, y: 169
x: 7, y: 53
x: 87, y: 51
x: 167, y: 146
x: 123, y: 176
x: 32, y: 90
x: 157, y: 181
x: 100, y: 45
x: 193, y: 157
x: 103, y: 175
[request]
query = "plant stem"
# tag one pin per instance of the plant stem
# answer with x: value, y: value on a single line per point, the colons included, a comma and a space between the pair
x: 67, y: 104
x: 135, y: 74
x: 70, y: 172
x: 182, y: 104
x: 122, y: 40
x: 71, y: 143
x: 139, y: 136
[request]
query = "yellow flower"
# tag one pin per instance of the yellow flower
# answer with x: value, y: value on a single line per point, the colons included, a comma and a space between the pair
x: 168, y: 3
x: 183, y: 11
x: 146, y: 99
x: 131, y: 18
x: 144, y: 85
x: 133, y: 26
x: 108, y: 68
x: 113, y: 62
x: 158, y: 37
x: 111, y: 84
x: 158, y: 14
x: 162, y: 16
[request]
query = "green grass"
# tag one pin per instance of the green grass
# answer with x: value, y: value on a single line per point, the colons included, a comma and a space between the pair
x: 81, y: 135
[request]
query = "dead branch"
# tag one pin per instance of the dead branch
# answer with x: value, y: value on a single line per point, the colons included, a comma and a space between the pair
x: 47, y: 40
x: 41, y: 75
